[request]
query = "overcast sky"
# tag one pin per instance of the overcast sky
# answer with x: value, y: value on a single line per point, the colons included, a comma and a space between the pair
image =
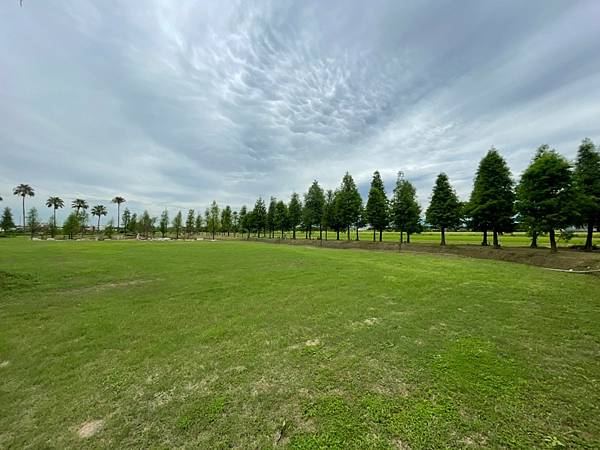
x: 174, y: 103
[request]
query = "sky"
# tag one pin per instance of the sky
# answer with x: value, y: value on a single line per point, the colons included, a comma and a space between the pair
x: 175, y: 103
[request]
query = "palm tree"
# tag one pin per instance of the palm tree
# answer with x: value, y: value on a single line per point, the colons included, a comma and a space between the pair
x: 55, y: 203
x: 118, y: 200
x: 79, y: 204
x: 24, y: 190
x: 99, y: 210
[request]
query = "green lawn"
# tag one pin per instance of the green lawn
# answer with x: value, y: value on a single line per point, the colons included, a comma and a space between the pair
x: 240, y: 344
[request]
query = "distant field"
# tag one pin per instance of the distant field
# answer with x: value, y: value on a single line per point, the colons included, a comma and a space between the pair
x: 240, y: 344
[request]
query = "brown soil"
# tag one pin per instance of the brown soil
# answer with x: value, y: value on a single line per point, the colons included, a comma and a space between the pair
x: 564, y: 259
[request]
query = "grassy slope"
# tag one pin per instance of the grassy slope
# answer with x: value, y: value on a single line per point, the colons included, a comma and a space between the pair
x: 218, y: 344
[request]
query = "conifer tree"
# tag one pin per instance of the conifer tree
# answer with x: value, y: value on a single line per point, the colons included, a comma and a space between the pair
x: 377, y: 206
x: 444, y: 211
x: 405, y: 211
x: 349, y: 203
x: 294, y: 213
x: 587, y: 183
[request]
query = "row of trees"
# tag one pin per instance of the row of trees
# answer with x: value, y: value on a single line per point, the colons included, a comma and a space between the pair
x: 552, y: 194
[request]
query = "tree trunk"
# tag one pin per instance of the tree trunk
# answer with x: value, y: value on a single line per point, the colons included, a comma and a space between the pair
x: 496, y: 244
x: 338, y: 234
x: 320, y: 232
x: 553, y: 247
x: 54, y: 226
x: 443, y: 242
x: 374, y: 231
x: 402, y: 236
x: 294, y: 233
x: 23, y: 213
x: 407, y: 237
x: 588, y: 239
x: 325, y: 233
x: 119, y: 218
x: 357, y: 233
x: 380, y: 235
x: 98, y: 224
x: 534, y: 236
x: 348, y: 232
x: 484, y: 242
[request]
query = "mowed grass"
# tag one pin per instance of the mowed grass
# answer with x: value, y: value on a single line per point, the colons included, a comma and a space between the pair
x: 247, y: 345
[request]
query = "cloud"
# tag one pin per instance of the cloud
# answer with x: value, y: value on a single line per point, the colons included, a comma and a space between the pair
x: 177, y: 103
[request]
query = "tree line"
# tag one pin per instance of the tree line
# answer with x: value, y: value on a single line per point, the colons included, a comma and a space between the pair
x: 552, y: 195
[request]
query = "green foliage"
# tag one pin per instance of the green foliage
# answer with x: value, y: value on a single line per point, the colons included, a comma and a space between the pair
x: 177, y: 224
x: 314, y: 202
x: 294, y: 213
x: 163, y: 224
x: 226, y: 220
x: 126, y: 218
x: 259, y: 216
x: 281, y: 219
x: 348, y: 203
x: 270, y: 220
x: 445, y: 209
x: 545, y: 195
x: 33, y: 221
x: 7, y: 222
x: 586, y: 179
x: 109, y: 229
x: 213, y: 224
x: 99, y: 210
x: 405, y: 210
x: 376, y: 212
x: 491, y: 206
x: 190, y: 222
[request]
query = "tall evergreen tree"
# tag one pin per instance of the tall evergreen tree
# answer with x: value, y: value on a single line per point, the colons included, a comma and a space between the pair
x: 243, y: 219
x: 294, y: 213
x: 444, y: 211
x: 281, y: 217
x: 259, y: 214
x: 348, y: 203
x: 199, y: 222
x: 213, y: 219
x: 235, y: 222
x: 177, y: 224
x: 190, y: 222
x: 587, y: 183
x: 545, y: 195
x: 270, y: 221
x: 226, y: 220
x: 377, y: 206
x: 314, y: 201
x: 328, y: 219
x: 405, y: 211
x: 71, y: 225
x: 33, y: 221
x: 7, y: 222
x: 163, y: 225
x: 126, y: 218
x: 492, y: 201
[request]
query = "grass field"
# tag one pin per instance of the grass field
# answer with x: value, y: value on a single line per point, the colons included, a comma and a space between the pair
x: 240, y: 344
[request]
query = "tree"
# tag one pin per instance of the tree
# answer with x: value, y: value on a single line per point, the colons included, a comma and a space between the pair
x: 24, y: 190
x: 132, y: 224
x: 280, y: 218
x: 7, y: 222
x: 163, y: 225
x: 586, y: 180
x: 259, y: 214
x: 213, y: 219
x: 118, y: 200
x: 235, y: 222
x: 33, y: 221
x: 445, y: 209
x: 177, y: 224
x: 146, y: 224
x: 314, y: 202
x: 190, y: 222
x: 54, y: 203
x: 99, y: 210
x: 328, y: 219
x: 199, y: 222
x: 349, y: 203
x: 78, y: 204
x: 405, y: 211
x: 491, y: 205
x: 294, y: 213
x: 243, y: 220
x: 545, y: 195
x: 226, y: 220
x: 270, y: 221
x: 126, y: 218
x: 71, y: 225
x: 377, y: 206
x: 109, y: 229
